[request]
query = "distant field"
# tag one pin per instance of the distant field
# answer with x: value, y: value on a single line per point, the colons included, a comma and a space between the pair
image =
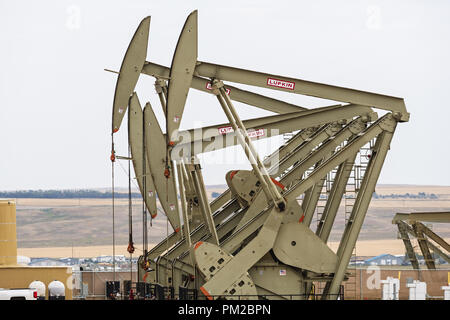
x: 87, y: 223
x: 78, y: 252
x: 442, y: 191
x: 26, y: 202
x: 363, y: 248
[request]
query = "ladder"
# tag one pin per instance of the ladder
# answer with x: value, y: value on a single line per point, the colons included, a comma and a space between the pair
x: 325, y: 192
x: 351, y: 192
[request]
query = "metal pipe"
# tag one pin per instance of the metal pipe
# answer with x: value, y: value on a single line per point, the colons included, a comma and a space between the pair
x: 203, y: 201
x: 274, y: 191
x: 251, y: 154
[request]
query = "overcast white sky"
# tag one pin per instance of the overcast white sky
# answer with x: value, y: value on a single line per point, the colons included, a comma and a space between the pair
x: 56, y: 100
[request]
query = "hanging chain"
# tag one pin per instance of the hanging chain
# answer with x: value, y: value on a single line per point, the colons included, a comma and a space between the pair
x: 113, y: 160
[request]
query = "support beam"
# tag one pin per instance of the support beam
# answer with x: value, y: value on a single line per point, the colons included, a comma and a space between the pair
x: 332, y: 205
x: 269, y: 130
x: 433, y: 236
x: 199, y: 185
x: 423, y: 245
x: 360, y: 207
x: 287, y: 148
x: 334, y: 200
x: 259, y: 169
x: 403, y: 230
x: 319, y: 137
x: 161, y: 90
x: 184, y: 211
x: 439, y: 252
x: 310, y: 200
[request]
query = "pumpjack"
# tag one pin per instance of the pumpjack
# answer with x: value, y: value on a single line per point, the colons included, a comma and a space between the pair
x: 256, y: 240
x: 412, y: 225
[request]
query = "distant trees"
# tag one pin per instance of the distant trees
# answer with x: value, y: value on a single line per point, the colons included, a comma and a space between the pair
x: 94, y: 194
x: 420, y: 195
x: 65, y: 194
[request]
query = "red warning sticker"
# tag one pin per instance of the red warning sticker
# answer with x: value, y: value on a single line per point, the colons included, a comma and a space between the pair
x: 251, y: 132
x: 225, y: 130
x: 255, y: 133
x: 280, y: 83
x: 209, y: 87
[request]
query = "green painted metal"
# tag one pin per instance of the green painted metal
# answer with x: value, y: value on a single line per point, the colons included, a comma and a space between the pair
x: 243, y: 222
x: 298, y: 86
x: 156, y: 149
x: 181, y: 73
x: 131, y: 68
x: 136, y: 141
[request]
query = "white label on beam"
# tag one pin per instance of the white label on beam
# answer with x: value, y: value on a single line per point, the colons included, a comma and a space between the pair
x: 251, y: 132
x: 280, y: 83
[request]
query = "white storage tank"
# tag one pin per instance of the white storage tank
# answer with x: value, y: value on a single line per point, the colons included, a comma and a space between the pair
x: 446, y: 292
x: 417, y: 290
x: 23, y: 260
x: 40, y: 288
x: 56, y: 290
x: 391, y: 289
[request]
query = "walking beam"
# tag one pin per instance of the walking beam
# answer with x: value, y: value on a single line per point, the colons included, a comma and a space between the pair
x: 236, y: 94
x: 298, y: 86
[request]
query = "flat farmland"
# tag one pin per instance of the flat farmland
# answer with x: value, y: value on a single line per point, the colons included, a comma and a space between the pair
x: 52, y: 227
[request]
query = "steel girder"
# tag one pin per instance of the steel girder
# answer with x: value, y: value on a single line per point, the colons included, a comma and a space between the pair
x: 410, y: 224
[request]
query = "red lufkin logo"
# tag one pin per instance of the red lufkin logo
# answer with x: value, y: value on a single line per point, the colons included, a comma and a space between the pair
x: 280, y: 83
